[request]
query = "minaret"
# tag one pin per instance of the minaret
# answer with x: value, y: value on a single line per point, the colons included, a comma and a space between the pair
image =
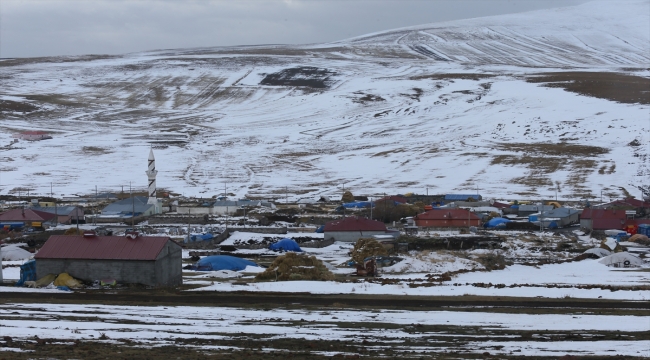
x: 151, y: 174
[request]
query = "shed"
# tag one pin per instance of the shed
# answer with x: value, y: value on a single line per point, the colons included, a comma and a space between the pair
x: 152, y: 261
x: 562, y: 216
x: 447, y: 218
x: 351, y: 229
x: 602, y: 219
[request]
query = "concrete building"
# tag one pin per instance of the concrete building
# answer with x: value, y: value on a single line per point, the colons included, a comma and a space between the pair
x: 447, y: 218
x: 351, y: 229
x: 221, y: 207
x: 136, y: 206
x: 131, y: 259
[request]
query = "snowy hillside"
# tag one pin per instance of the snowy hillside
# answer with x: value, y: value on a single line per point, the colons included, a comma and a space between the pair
x: 519, y: 106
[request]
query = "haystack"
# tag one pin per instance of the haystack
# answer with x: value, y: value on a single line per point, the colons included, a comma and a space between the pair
x: 365, y: 248
x: 292, y: 266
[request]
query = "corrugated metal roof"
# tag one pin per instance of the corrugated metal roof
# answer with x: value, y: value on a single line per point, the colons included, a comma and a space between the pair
x: 127, y: 205
x: 25, y: 215
x: 447, y: 214
x: 354, y: 224
x: 602, y: 214
x: 102, y: 247
x: 560, y: 212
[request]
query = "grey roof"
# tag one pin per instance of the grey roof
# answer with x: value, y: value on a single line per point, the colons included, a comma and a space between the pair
x: 237, y: 203
x: 59, y: 210
x: 535, y: 207
x: 560, y: 212
x: 127, y: 205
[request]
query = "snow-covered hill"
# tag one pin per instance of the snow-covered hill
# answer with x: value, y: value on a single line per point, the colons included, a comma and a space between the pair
x: 451, y: 107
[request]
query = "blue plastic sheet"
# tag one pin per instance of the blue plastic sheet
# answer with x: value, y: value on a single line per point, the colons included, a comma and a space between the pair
x: 286, y: 245
x: 496, y: 222
x: 223, y: 262
x: 27, y: 272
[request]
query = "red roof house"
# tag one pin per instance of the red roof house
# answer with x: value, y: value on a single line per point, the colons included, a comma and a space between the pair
x: 28, y: 216
x: 447, y: 218
x: 153, y: 261
x: 351, y: 229
x: 602, y: 219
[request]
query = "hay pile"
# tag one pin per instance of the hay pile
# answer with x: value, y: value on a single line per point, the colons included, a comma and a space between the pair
x: 365, y: 248
x: 292, y: 266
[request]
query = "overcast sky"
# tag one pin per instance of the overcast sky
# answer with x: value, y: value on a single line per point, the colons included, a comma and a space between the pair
x: 74, y: 27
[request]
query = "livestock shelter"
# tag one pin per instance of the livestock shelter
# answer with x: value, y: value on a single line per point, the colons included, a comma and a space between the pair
x: 351, y: 229
x: 131, y: 259
x: 447, y: 218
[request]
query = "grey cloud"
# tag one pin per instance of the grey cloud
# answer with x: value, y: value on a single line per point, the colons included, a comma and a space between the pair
x: 50, y: 27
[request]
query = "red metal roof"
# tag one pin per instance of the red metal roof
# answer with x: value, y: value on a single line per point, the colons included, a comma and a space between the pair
x: 632, y: 202
x: 354, y: 224
x: 499, y: 205
x: 447, y: 214
x: 102, y: 247
x: 602, y: 214
x: 26, y: 215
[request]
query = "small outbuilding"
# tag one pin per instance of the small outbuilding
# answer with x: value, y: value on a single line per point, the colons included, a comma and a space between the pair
x: 131, y: 259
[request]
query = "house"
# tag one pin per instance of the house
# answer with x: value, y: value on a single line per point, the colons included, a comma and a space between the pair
x: 526, y: 210
x: 351, y: 229
x: 63, y: 214
x: 561, y: 217
x: 127, y: 208
x: 602, y: 219
x: 28, y: 217
x: 463, y: 197
x: 131, y: 259
x: 222, y: 207
x: 447, y: 218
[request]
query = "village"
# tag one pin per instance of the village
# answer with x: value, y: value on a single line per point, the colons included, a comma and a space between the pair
x: 86, y: 275
x: 157, y: 241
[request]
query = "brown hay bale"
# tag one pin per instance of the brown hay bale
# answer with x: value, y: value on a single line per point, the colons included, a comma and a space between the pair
x: 73, y: 231
x: 292, y: 266
x: 637, y: 237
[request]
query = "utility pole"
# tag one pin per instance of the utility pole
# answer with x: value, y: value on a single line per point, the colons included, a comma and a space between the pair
x: 370, y: 208
x: 132, y: 208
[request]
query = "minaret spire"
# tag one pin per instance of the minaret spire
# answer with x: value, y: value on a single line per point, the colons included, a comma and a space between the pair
x: 151, y: 174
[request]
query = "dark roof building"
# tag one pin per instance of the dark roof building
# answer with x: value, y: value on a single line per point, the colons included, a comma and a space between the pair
x: 447, y: 218
x: 351, y: 229
x: 153, y: 261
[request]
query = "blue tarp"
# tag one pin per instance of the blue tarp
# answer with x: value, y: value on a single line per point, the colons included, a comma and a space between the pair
x: 321, y: 229
x: 27, y: 272
x: 203, y: 237
x: 223, y: 262
x: 286, y: 245
x: 496, y: 222
x: 359, y: 205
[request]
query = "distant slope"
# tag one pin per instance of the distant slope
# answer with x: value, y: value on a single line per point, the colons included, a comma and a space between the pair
x: 513, y: 105
x: 595, y: 33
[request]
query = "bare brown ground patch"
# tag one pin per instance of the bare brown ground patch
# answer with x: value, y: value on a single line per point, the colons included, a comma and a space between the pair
x: 554, y: 149
x: 475, y: 77
x: 627, y: 89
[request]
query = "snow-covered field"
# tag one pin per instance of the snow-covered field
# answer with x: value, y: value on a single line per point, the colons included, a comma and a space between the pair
x: 442, y: 106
